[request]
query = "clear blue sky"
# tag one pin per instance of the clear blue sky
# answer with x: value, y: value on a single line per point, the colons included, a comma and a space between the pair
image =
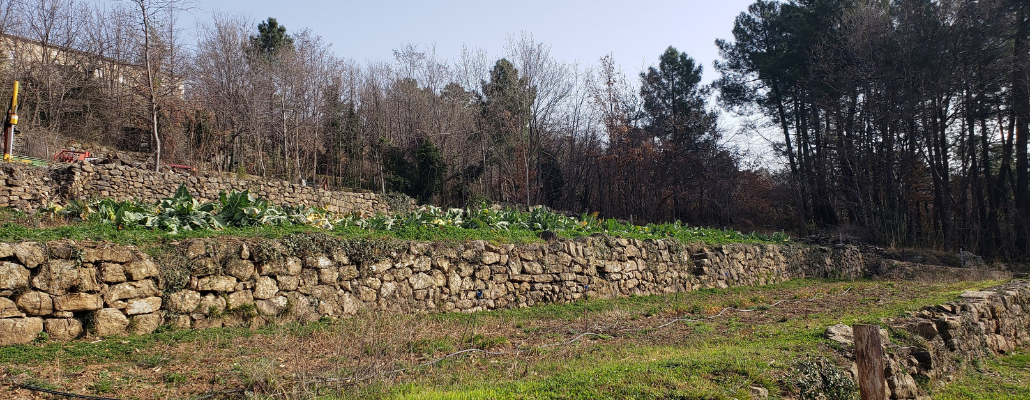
x: 635, y: 32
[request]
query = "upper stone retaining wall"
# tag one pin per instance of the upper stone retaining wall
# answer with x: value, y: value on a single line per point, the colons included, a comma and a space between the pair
x: 28, y: 188
x: 60, y: 286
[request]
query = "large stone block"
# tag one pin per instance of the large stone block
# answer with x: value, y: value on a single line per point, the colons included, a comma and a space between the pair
x: 349, y: 304
x: 302, y: 307
x: 340, y: 257
x: 57, y: 277
x: 422, y: 264
x: 239, y: 299
x: 387, y: 289
x: 141, y: 269
x: 131, y: 290
x: 212, y: 305
x: 265, y: 288
x: 63, y: 328
x: 367, y: 294
x: 287, y: 266
x: 30, y: 254
x: 216, y: 284
x: 273, y: 306
x: 143, y: 306
x: 317, y: 262
x: 36, y: 303
x: 422, y: 281
x: 204, y: 266
x: 293, y: 266
x: 308, y: 278
x: 88, y: 281
x: 145, y: 323
x: 240, y: 269
x: 112, y: 273
x: 107, y: 254
x: 109, y: 322
x: 9, y: 309
x: 183, y: 301
x: 6, y: 249
x: 196, y: 249
x: 490, y: 257
x: 271, y: 267
x: 75, y: 302
x: 13, y: 276
x: 181, y: 322
x: 532, y: 268
x: 348, y: 272
x: 327, y: 276
x: 19, y: 330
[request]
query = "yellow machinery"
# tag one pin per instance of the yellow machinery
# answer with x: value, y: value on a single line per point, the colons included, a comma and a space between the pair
x: 9, y: 123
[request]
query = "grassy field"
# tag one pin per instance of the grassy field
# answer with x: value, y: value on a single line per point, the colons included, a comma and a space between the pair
x: 677, y: 346
x: 1004, y: 378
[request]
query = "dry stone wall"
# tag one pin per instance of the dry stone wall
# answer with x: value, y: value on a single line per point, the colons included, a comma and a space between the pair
x: 69, y: 289
x: 939, y: 342
x: 28, y: 188
x: 61, y: 288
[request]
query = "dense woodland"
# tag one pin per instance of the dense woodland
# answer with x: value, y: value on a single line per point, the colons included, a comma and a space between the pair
x: 902, y: 122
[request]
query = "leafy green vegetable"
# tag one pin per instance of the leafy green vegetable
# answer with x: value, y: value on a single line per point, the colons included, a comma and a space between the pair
x: 182, y: 213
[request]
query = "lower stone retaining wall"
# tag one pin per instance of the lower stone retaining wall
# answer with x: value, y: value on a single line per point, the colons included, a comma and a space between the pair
x: 69, y: 289
x: 939, y: 342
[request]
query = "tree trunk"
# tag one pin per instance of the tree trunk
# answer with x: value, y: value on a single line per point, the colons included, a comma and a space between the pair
x: 145, y: 14
x: 1021, y: 106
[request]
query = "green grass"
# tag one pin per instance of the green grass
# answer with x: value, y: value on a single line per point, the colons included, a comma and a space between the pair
x: 716, y: 359
x: 14, y: 232
x: 103, y: 384
x: 430, y: 347
x: 694, y: 302
x: 174, y: 378
x: 721, y: 359
x: 1003, y: 378
x: 722, y: 372
x: 115, y: 349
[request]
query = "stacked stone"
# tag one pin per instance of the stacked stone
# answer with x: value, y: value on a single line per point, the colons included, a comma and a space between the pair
x: 125, y: 183
x: 231, y: 282
x: 28, y: 188
x: 946, y: 339
x: 957, y: 334
x: 112, y: 287
x: 25, y: 187
x: 232, y: 287
x: 464, y: 277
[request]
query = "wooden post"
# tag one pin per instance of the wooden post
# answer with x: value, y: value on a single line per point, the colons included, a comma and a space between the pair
x: 869, y: 357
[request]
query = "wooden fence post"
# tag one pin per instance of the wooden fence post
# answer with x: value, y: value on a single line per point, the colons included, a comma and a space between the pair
x: 869, y: 356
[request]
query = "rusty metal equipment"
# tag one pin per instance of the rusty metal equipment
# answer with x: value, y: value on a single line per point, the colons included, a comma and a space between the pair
x: 9, y: 122
x: 181, y: 168
x: 72, y: 156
